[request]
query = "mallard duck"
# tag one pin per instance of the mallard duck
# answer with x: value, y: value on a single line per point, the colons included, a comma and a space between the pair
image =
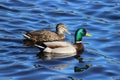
x: 47, y: 35
x: 65, y: 49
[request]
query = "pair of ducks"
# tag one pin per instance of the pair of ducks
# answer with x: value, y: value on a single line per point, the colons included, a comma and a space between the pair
x: 51, y: 42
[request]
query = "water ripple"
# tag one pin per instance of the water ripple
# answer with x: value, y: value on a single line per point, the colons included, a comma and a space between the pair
x: 100, y: 18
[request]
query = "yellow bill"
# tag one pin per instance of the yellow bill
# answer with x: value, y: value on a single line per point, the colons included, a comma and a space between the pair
x: 87, y: 34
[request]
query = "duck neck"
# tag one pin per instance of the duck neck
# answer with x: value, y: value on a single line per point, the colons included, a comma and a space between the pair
x: 78, y: 38
x: 59, y: 32
x: 77, y: 42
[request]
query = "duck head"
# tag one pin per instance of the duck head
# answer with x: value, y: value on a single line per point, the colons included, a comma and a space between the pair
x: 81, y: 32
x: 61, y: 28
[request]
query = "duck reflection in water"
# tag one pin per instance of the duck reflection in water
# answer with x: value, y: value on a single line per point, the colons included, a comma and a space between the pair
x: 28, y: 42
x: 48, y: 56
x: 45, y: 56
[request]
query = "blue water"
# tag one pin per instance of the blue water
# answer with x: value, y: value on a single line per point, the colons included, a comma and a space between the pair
x: 101, y: 18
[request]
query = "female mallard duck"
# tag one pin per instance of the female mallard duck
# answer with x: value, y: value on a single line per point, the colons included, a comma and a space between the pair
x: 65, y: 49
x: 46, y: 35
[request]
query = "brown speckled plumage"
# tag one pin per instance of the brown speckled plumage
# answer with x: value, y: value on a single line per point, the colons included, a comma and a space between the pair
x: 47, y: 35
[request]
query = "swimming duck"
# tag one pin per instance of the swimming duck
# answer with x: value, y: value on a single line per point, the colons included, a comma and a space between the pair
x: 65, y: 49
x: 47, y: 35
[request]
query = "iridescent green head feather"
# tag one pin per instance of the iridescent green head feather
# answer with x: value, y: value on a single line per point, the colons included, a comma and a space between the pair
x: 80, y: 33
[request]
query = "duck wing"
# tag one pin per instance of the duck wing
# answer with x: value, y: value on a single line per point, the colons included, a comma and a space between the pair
x: 42, y: 35
x: 57, y: 44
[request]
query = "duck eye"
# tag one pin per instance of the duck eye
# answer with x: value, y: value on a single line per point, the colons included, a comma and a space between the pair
x: 84, y: 32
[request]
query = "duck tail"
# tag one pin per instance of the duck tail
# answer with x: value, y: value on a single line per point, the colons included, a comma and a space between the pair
x: 41, y: 46
x: 44, y: 48
x: 26, y: 36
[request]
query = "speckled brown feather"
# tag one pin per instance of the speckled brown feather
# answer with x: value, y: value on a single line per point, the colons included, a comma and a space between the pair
x: 45, y: 35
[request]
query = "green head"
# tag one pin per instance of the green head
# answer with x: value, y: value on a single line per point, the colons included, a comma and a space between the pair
x: 80, y: 33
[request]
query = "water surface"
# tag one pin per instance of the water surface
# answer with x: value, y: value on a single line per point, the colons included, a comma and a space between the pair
x: 101, y: 18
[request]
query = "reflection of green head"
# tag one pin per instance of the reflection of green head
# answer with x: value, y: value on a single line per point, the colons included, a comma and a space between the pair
x: 80, y: 33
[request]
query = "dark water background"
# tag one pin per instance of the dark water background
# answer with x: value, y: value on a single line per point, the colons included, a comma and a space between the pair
x: 100, y: 17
